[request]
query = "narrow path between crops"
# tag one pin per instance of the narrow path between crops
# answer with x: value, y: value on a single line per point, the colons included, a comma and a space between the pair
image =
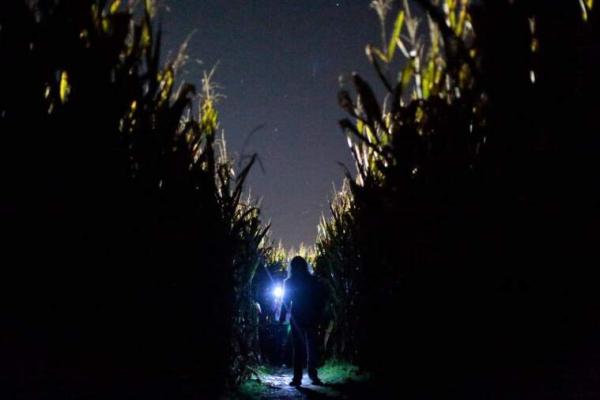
x: 277, y: 384
x: 341, y: 382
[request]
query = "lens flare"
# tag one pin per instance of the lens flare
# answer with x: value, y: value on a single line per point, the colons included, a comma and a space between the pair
x: 278, y: 292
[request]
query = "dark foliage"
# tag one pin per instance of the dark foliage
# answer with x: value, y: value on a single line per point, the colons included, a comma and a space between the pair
x: 475, y: 207
x: 337, y: 266
x: 125, y: 241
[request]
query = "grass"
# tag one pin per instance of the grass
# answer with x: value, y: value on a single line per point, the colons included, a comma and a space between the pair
x: 336, y: 373
x: 252, y: 389
x: 339, y: 372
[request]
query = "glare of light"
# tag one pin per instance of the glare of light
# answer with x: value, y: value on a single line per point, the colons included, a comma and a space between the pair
x: 278, y: 292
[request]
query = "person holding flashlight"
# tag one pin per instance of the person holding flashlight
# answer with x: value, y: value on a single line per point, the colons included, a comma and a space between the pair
x: 302, y: 298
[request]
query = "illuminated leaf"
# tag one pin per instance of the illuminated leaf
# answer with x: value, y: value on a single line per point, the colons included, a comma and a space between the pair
x: 462, y: 19
x: 406, y: 76
x: 370, y: 50
x: 584, y: 9
x: 370, y: 135
x: 400, y: 44
x: 132, y: 109
x: 419, y: 115
x: 150, y: 7
x: 453, y: 5
x: 438, y: 75
x: 395, y: 35
x: 360, y: 125
x: 209, y: 117
x: 65, y: 88
x: 146, y: 41
x: 115, y: 6
x: 387, y: 119
x: 428, y: 78
x: 167, y: 80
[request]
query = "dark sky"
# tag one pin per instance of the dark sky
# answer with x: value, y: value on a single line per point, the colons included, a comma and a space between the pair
x: 279, y: 63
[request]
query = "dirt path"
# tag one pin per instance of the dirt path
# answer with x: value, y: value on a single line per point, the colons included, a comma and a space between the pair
x: 278, y: 388
x: 274, y: 385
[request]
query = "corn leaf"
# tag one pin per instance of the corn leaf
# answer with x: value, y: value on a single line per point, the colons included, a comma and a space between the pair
x: 209, y: 118
x: 115, y: 6
x: 370, y: 50
x: 395, y: 35
x: 150, y: 7
x: 584, y: 11
x: 65, y: 87
x: 146, y: 35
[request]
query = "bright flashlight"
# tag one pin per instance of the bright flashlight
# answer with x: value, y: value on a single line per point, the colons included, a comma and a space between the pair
x: 278, y: 292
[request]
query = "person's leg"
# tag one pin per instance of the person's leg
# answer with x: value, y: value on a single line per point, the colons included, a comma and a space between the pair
x: 299, y: 344
x: 313, y: 353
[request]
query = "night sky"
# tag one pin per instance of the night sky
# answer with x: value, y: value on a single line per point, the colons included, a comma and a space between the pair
x: 279, y: 64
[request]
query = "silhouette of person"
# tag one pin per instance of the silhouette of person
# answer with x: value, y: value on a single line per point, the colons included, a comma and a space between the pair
x: 302, y: 298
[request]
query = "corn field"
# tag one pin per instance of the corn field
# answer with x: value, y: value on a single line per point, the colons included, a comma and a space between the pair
x: 461, y: 246
x: 459, y: 255
x: 128, y: 240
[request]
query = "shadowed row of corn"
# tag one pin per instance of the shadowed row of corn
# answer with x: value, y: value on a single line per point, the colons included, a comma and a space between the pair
x: 129, y: 241
x: 459, y: 251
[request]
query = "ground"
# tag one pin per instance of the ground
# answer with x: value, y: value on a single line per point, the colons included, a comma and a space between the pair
x: 342, y: 381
